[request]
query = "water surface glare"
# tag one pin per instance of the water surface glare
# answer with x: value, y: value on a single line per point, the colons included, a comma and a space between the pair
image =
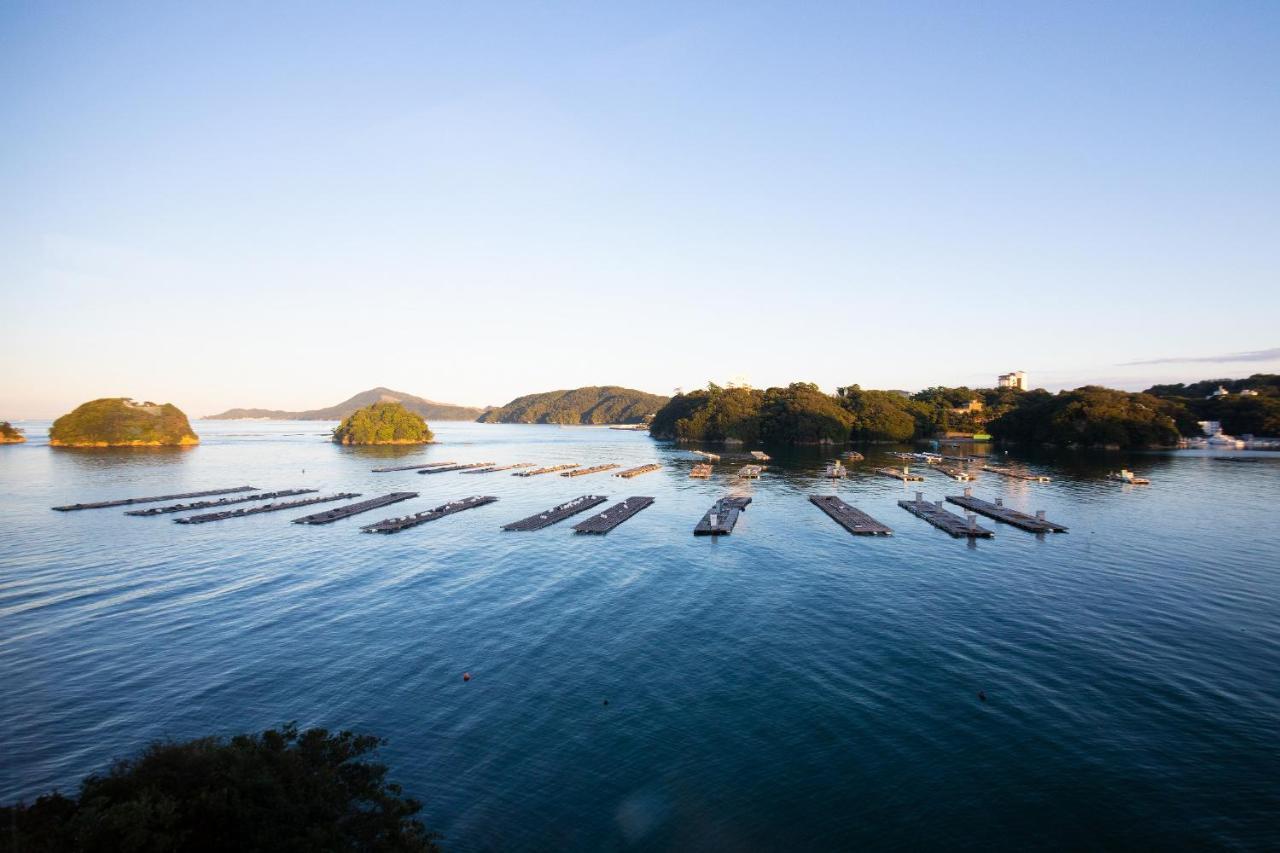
x: 788, y: 687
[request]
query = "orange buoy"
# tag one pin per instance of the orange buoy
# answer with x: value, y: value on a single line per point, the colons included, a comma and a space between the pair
x: 466, y: 676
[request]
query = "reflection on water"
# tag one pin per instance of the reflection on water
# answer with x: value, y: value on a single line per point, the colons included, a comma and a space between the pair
x: 786, y: 687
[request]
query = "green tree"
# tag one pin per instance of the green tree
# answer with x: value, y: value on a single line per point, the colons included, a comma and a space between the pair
x: 281, y: 790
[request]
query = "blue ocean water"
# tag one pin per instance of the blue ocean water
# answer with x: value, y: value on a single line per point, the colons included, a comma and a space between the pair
x: 788, y: 687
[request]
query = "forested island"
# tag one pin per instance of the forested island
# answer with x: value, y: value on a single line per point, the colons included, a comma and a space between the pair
x: 383, y: 423
x: 596, y: 404
x: 122, y: 422
x: 10, y: 434
x: 1091, y: 416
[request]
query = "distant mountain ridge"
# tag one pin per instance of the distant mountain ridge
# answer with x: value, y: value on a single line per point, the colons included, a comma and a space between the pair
x: 594, y: 404
x: 429, y: 409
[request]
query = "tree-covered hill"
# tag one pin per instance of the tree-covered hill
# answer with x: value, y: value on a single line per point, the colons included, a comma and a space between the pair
x: 1240, y: 414
x: 121, y: 422
x: 1092, y: 417
x: 429, y: 409
x: 383, y: 423
x: 801, y: 413
x: 596, y: 404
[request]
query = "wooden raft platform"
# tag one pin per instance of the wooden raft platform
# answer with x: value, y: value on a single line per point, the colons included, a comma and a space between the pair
x: 495, y: 468
x: 750, y: 472
x: 948, y: 522
x: 594, y: 469
x: 1017, y: 475
x: 259, y: 496
x: 394, y: 525
x: 1035, y: 523
x: 128, y: 501
x: 557, y: 513
x: 902, y: 474
x: 850, y: 518
x: 417, y: 467
x: 613, y: 516
x: 548, y: 470
x: 710, y: 457
x: 466, y: 467
x: 331, y: 515
x: 760, y: 455
x: 638, y: 470
x: 254, y: 510
x: 725, y: 512
x: 956, y: 473
x: 702, y: 469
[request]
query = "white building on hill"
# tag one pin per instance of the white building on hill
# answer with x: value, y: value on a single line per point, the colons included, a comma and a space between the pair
x: 1016, y: 379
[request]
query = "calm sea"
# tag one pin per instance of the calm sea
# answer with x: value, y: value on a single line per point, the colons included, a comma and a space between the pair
x: 789, y: 687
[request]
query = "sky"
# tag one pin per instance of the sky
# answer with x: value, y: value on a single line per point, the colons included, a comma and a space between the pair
x: 278, y: 205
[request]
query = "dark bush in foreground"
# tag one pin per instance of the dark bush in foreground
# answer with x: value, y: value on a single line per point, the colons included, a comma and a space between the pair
x: 281, y: 790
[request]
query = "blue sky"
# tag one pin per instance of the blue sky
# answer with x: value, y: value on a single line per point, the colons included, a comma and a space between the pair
x: 282, y: 204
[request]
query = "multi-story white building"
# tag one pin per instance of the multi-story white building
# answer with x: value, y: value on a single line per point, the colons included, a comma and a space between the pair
x: 1016, y: 379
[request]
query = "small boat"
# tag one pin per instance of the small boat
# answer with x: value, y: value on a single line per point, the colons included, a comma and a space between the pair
x: 1127, y: 476
x: 835, y: 471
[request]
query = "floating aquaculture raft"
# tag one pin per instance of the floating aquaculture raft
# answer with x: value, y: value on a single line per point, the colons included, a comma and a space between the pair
x: 948, y: 522
x: 331, y: 515
x: 393, y: 525
x: 1035, y: 523
x: 850, y: 518
x: 127, y: 501
x: 556, y: 513
x: 613, y: 516
x: 254, y: 510
x: 721, y: 518
x: 260, y: 496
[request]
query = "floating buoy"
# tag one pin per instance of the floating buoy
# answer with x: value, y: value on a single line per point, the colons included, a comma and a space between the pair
x: 982, y: 695
x: 466, y: 676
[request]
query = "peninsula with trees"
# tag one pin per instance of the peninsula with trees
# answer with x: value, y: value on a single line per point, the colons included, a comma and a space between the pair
x: 383, y: 423
x: 122, y: 422
x: 1090, y: 416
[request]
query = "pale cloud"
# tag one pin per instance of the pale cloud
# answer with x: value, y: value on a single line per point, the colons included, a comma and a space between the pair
x: 1272, y: 354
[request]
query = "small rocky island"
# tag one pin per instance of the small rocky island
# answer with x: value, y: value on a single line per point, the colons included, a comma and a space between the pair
x: 10, y: 434
x: 121, y: 422
x: 383, y: 423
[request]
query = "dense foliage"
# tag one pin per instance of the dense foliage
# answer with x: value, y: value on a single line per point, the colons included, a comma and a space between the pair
x: 802, y: 414
x: 383, y: 423
x: 119, y: 421
x: 10, y: 434
x: 1239, y: 414
x: 716, y: 414
x: 1089, y: 416
x: 879, y: 415
x: 607, y: 404
x: 281, y: 790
